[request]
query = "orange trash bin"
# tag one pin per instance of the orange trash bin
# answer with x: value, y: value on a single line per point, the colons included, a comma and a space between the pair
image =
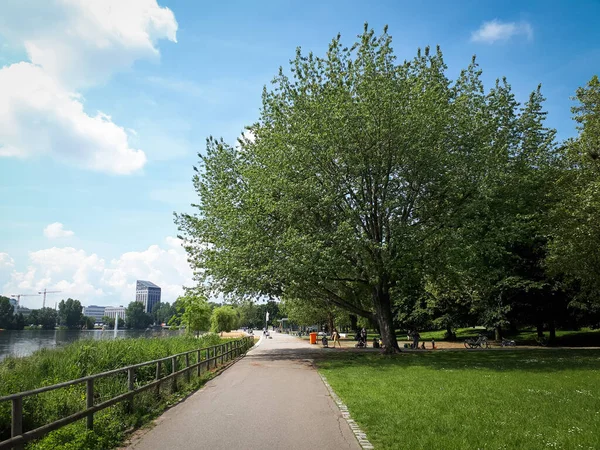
x: 313, y: 338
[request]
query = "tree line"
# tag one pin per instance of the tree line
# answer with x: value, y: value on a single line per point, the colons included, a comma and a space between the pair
x: 389, y: 192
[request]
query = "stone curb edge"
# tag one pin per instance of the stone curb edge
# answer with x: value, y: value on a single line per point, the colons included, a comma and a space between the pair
x: 358, y: 433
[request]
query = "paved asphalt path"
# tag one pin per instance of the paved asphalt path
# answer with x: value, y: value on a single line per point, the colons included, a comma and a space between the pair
x: 271, y: 399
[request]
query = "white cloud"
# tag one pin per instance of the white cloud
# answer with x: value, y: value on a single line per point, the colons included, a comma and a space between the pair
x: 39, y: 116
x: 56, y: 230
x: 73, y: 44
x: 495, y: 30
x: 93, y: 280
x: 6, y: 261
x: 83, y: 42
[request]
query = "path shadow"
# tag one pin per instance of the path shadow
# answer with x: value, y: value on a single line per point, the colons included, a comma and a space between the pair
x: 526, y: 360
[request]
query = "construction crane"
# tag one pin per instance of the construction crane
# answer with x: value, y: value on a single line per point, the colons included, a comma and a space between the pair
x: 18, y: 297
x: 46, y: 292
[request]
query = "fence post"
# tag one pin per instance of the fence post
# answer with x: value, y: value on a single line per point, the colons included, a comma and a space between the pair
x: 158, y: 370
x: 198, y: 359
x: 89, y: 402
x: 174, y: 364
x: 187, y: 367
x: 130, y: 382
x: 17, y: 419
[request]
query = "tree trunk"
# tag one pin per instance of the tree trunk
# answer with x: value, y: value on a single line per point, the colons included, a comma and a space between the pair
x: 498, y: 333
x: 383, y: 313
x: 540, y: 330
x: 353, y: 322
x: 552, y: 328
x: 449, y: 333
x: 330, y: 322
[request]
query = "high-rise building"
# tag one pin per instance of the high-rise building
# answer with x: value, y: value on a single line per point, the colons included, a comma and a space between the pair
x: 148, y: 294
x: 97, y: 312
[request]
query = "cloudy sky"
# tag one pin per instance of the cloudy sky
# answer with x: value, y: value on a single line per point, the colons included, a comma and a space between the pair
x: 104, y: 106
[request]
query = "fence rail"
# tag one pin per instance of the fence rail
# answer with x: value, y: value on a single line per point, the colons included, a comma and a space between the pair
x: 205, y: 358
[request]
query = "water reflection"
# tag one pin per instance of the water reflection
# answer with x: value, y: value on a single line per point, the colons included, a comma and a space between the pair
x: 25, y: 342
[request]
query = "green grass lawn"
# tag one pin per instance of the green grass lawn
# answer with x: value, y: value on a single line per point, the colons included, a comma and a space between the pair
x: 502, y: 399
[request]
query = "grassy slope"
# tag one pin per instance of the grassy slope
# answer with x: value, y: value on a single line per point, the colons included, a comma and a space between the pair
x: 505, y: 399
x: 81, y: 358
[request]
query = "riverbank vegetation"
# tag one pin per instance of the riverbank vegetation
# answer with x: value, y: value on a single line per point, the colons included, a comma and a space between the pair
x: 379, y: 186
x: 533, y: 399
x: 50, y: 366
x: 8, y: 319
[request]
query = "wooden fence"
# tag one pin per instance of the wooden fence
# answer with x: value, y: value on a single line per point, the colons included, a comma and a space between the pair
x: 205, y: 359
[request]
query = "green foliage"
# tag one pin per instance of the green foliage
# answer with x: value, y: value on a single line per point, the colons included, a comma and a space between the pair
x: 315, y: 313
x: 45, y: 317
x: 70, y: 313
x: 109, y: 322
x: 135, y: 317
x: 51, y: 366
x: 366, y: 180
x: 224, y: 318
x: 196, y: 313
x: 87, y: 322
x: 576, y: 232
x: 6, y: 312
x: 162, y: 312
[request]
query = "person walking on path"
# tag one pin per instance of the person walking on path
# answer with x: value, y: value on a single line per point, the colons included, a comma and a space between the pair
x: 363, y: 335
x: 335, y: 336
x: 416, y: 336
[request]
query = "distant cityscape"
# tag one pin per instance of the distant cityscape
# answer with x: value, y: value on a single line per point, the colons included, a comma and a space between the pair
x: 146, y: 293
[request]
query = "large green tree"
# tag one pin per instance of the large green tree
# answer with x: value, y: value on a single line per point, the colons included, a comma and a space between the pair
x: 357, y: 176
x: 223, y: 318
x: 6, y: 312
x: 136, y: 318
x: 576, y: 229
x: 196, y: 313
x: 46, y: 317
x: 70, y: 313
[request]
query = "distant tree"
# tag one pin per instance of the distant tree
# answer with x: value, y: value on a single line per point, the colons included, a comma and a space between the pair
x: 70, y: 313
x: 224, y: 318
x: 196, y: 314
x: 162, y: 312
x: 18, y: 322
x: 108, y: 321
x: 47, y: 318
x: 136, y: 318
x: 6, y: 312
x: 87, y: 322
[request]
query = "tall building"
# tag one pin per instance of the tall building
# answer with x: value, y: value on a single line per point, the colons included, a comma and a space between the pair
x: 97, y: 312
x: 148, y: 294
x: 13, y: 302
x: 114, y: 311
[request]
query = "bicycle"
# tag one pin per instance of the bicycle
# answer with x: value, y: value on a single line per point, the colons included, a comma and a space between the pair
x: 480, y: 342
x: 508, y: 343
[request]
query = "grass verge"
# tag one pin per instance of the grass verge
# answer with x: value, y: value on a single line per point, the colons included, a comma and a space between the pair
x: 51, y: 366
x: 504, y: 399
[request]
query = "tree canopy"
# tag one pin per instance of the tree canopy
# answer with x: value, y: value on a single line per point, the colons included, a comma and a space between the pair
x: 388, y: 190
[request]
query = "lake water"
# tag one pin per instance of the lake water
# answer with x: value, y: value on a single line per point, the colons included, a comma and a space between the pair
x: 25, y: 342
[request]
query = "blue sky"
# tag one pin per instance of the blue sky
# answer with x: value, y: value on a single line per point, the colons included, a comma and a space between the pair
x: 86, y: 201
